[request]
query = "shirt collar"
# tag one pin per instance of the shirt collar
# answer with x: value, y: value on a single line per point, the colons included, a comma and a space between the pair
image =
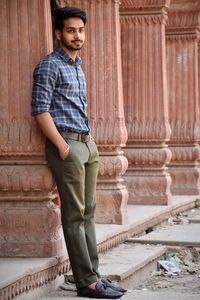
x: 61, y: 52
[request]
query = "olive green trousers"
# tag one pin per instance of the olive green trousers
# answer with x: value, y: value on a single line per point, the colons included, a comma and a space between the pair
x: 76, y: 182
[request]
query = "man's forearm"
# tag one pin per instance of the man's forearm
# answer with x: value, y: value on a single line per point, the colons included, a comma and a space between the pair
x: 49, y: 129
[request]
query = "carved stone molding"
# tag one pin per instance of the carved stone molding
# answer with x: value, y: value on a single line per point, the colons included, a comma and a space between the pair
x: 108, y: 133
x: 184, y: 38
x: 147, y: 130
x: 20, y: 137
x: 141, y: 6
x: 184, y: 131
x: 32, y: 281
x: 29, y: 221
x: 186, y: 181
x: 145, y: 19
x: 184, y: 169
x: 105, y: 100
x: 183, y: 21
x: 147, y: 158
x: 144, y: 84
x: 101, y: 57
x: 25, y: 179
x: 145, y: 101
x: 146, y: 178
x: 184, y: 16
x: 185, y: 155
x: 183, y: 93
x: 114, y: 210
x: 111, y: 167
x: 24, y: 225
x: 148, y: 187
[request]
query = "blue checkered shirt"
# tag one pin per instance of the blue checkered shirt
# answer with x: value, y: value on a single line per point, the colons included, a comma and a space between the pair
x: 59, y: 88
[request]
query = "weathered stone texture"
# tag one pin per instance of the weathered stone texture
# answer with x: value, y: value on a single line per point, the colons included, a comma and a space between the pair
x: 158, y: 106
x: 29, y: 221
x: 102, y: 65
x: 145, y: 100
x: 183, y: 28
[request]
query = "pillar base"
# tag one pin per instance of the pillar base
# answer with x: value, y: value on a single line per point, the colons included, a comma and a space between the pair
x: 185, y: 181
x: 148, y: 188
x: 184, y: 169
x: 30, y: 228
x: 112, y: 205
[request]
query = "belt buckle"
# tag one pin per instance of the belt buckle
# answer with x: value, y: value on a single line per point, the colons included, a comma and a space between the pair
x: 85, y: 137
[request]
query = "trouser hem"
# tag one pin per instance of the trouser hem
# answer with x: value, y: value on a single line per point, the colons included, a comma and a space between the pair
x: 86, y: 281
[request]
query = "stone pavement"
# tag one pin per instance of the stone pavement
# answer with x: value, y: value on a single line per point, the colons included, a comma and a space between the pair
x: 134, y: 295
x: 25, y: 274
x: 121, y: 263
x: 176, y: 235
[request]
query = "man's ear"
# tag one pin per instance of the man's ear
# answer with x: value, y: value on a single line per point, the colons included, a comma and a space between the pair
x: 58, y: 34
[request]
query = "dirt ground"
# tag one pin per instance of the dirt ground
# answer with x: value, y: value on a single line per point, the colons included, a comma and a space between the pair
x: 188, y: 280
x: 186, y: 258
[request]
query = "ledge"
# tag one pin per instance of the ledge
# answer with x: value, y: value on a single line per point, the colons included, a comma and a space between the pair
x: 18, y: 275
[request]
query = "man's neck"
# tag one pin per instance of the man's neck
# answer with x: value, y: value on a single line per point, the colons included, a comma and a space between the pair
x: 72, y: 54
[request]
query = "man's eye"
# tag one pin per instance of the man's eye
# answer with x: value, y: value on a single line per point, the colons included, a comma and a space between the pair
x: 70, y: 30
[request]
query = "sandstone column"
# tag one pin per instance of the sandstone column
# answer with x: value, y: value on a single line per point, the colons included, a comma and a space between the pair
x: 29, y: 220
x: 183, y: 29
x: 145, y: 100
x: 102, y: 65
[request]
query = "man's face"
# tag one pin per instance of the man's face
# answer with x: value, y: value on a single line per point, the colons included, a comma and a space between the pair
x: 72, y: 36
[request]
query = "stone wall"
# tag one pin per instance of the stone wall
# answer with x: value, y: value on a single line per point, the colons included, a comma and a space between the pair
x: 182, y: 37
x: 29, y: 221
x: 145, y: 100
x: 141, y: 60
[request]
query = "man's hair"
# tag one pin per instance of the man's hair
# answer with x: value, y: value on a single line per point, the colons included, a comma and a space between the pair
x: 63, y: 13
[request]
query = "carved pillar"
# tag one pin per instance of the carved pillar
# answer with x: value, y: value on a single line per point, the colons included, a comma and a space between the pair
x: 183, y: 93
x: 145, y: 100
x: 29, y: 220
x: 102, y: 65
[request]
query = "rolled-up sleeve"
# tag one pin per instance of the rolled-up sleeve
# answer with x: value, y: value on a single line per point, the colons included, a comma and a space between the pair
x: 44, y: 80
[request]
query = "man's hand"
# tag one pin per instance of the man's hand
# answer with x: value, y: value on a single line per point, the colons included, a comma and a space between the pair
x: 63, y: 152
x: 49, y: 129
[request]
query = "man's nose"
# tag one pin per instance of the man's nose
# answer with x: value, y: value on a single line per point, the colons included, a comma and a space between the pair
x: 77, y: 34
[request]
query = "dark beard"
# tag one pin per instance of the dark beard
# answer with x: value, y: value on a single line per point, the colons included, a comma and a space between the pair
x: 70, y: 46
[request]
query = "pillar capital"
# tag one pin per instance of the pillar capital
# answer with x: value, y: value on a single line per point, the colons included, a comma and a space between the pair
x: 144, y: 6
x: 184, y: 17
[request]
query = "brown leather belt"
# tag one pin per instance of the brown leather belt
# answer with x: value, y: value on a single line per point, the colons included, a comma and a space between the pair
x: 80, y: 137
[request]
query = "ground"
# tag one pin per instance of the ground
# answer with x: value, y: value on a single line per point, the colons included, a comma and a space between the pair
x: 187, y: 281
x: 187, y: 259
x: 160, y: 284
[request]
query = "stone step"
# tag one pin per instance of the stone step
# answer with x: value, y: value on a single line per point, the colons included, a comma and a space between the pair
x: 194, y: 216
x: 132, y: 295
x: 128, y: 264
x: 176, y: 235
x: 27, y: 278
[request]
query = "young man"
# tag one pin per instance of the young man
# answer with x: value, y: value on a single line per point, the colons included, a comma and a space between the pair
x: 59, y: 107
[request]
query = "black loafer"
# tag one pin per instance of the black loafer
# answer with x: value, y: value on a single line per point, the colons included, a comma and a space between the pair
x: 101, y: 291
x: 109, y: 284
